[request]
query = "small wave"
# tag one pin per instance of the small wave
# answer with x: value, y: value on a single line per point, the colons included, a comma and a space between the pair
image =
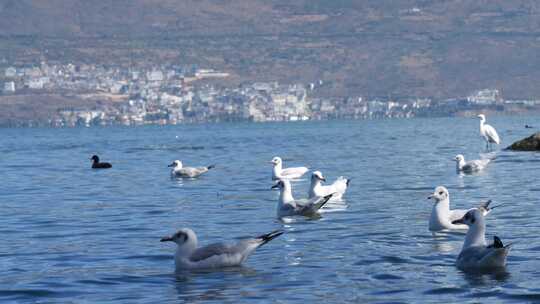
x: 28, y: 293
x: 523, y: 297
x: 386, y: 276
x: 445, y: 290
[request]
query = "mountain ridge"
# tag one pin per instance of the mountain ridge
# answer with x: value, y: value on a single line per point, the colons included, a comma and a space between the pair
x: 437, y: 49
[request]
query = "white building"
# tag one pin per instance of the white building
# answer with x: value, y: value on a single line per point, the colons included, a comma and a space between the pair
x: 9, y: 87
x: 210, y: 73
x: 10, y: 72
x: 35, y: 83
x: 486, y: 96
x: 155, y: 75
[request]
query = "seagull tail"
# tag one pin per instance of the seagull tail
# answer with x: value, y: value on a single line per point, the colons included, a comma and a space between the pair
x: 485, y: 204
x: 325, y: 200
x: 211, y: 167
x: 497, y: 243
x: 265, y: 238
x: 348, y: 182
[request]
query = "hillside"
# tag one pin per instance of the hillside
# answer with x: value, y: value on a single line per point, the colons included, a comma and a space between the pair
x: 372, y: 48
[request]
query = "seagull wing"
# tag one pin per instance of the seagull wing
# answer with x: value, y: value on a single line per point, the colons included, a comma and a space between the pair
x: 471, y: 256
x: 220, y: 254
x: 192, y: 172
x: 457, y: 214
x: 216, y: 249
x: 295, y: 172
x: 340, y: 185
x: 475, y: 165
x: 312, y: 205
x: 201, y: 170
x: 483, y: 257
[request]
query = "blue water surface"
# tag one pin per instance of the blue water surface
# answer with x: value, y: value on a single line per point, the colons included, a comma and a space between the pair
x: 71, y: 234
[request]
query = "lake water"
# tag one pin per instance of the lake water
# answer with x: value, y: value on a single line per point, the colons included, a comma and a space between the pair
x: 75, y: 235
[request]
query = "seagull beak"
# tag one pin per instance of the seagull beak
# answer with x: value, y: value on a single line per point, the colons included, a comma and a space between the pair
x: 171, y: 165
x: 323, y: 179
x: 460, y: 221
x: 430, y: 197
x: 166, y: 239
x: 275, y: 186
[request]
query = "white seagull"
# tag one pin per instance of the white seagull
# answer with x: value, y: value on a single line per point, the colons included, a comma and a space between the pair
x: 289, y: 173
x: 178, y: 170
x: 442, y: 217
x: 288, y: 206
x: 217, y: 255
x: 338, y: 188
x: 470, y: 166
x: 488, y: 132
x: 476, y: 254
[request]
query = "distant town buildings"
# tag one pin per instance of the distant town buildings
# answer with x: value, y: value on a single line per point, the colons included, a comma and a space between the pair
x: 485, y: 97
x: 175, y: 94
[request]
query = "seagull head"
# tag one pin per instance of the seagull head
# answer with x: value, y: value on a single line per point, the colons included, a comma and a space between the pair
x: 282, y: 184
x: 471, y: 218
x: 482, y: 117
x: 176, y: 164
x: 95, y: 158
x: 440, y: 194
x: 181, y: 237
x: 276, y: 160
x: 317, y: 175
x: 459, y: 158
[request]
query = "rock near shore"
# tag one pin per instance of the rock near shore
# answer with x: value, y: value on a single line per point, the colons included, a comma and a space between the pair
x: 531, y: 143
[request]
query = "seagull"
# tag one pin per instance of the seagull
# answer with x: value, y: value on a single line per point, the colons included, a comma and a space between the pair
x: 288, y: 206
x: 488, y: 132
x: 338, y: 188
x: 97, y: 165
x: 441, y: 215
x: 179, y: 170
x: 289, y: 173
x: 475, y: 253
x: 470, y: 166
x: 218, y: 255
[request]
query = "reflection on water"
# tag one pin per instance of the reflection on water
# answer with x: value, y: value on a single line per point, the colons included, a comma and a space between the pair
x: 483, y: 278
x: 68, y: 231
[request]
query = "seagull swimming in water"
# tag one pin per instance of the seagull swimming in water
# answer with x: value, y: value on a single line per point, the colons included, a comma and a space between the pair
x: 288, y: 206
x: 99, y: 165
x: 476, y: 254
x: 178, y: 170
x: 488, y: 132
x: 289, y: 173
x: 442, y: 217
x: 471, y: 166
x: 218, y: 255
x: 337, y: 188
